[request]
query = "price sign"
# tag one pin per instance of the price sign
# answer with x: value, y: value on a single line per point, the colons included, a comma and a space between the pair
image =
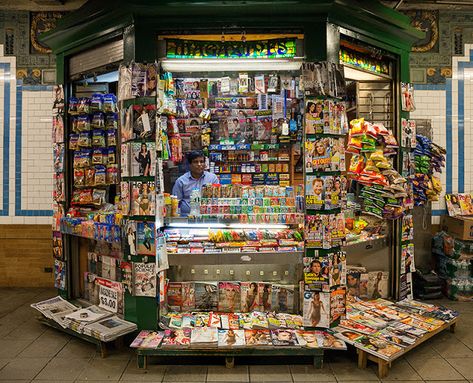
x: 108, y: 298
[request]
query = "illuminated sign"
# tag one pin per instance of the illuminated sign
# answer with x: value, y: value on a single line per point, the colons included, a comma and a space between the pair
x: 276, y: 48
x: 363, y: 62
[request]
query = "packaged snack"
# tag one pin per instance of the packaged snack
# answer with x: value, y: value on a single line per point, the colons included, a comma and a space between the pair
x: 357, y: 127
x: 82, y: 158
x: 83, y: 106
x: 98, y: 157
x: 100, y: 175
x: 98, y: 196
x: 111, y: 121
x: 109, y: 103
x: 82, y: 197
x: 370, y: 130
x: 98, y: 138
x: 90, y: 176
x: 98, y: 120
x: 111, y: 138
x: 96, y: 102
x: 79, y: 179
x: 357, y: 164
x: 74, y: 142
x: 111, y: 155
x: 73, y: 104
x: 82, y: 123
x: 112, y: 174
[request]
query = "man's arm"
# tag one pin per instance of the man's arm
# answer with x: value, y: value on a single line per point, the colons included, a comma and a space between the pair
x: 214, y: 179
x: 177, y: 190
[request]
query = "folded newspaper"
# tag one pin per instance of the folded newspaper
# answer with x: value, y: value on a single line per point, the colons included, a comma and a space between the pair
x: 92, y: 320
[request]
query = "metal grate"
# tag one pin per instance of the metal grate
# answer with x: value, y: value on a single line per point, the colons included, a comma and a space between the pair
x: 96, y: 57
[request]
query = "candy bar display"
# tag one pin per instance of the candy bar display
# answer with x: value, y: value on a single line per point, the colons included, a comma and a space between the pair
x: 429, y: 161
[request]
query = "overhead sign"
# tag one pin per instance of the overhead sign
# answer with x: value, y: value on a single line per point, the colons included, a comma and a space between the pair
x: 364, y: 62
x: 275, y: 48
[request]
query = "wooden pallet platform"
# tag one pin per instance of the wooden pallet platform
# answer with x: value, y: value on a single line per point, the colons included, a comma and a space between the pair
x: 101, y: 345
x: 384, y: 365
x: 230, y: 354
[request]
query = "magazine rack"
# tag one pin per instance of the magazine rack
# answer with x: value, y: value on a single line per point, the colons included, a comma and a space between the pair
x: 384, y: 365
x: 101, y: 345
x: 316, y: 353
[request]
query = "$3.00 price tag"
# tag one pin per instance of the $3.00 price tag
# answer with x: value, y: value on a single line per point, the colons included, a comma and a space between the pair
x: 108, y: 298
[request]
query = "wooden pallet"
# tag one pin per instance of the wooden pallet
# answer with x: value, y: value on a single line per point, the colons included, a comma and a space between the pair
x: 384, y: 365
x: 101, y: 345
x: 230, y: 354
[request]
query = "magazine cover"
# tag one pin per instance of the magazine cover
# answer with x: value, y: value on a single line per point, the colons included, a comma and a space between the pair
x: 316, y: 272
x: 307, y: 338
x: 144, y: 121
x: 148, y: 339
x: 177, y: 338
x: 124, y: 205
x: 214, y: 320
x: 337, y: 305
x: 231, y: 338
x: 174, y: 296
x: 204, y: 337
x: 259, y: 320
x: 249, y: 296
x: 126, y: 123
x: 284, y: 337
x: 316, y: 309
x: 129, y: 230
x: 144, y: 279
x: 407, y: 228
x: 127, y: 276
x: 407, y: 258
x: 322, y: 154
x: 453, y: 205
x: 327, y: 341
x: 206, y: 296
x: 142, y: 198
x: 138, y: 80
x: 337, y: 269
x: 337, y: 154
x: 143, y: 159
x: 358, y: 327
x: 57, y: 245
x: 146, y: 241
x: 58, y: 155
x: 314, y: 231
x: 377, y: 346
x: 283, y: 298
x: 125, y: 159
x: 58, y: 187
x: 314, y: 192
x: 188, y: 297
x: 466, y: 204
x: 316, y: 112
x: 229, y: 296
x: 257, y: 338
x: 264, y: 296
x: 315, y: 78
x: 353, y: 281
x: 59, y: 274
x: 378, y: 284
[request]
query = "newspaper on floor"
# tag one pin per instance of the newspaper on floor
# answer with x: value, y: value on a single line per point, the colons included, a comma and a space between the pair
x: 50, y: 308
x: 81, y: 318
x: 109, y: 328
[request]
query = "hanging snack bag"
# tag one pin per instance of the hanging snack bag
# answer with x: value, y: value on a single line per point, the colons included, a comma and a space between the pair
x: 84, y: 140
x: 357, y: 164
x: 98, y: 196
x: 82, y: 159
x: 357, y: 127
x: 79, y: 177
x: 112, y: 158
x: 109, y: 103
x: 111, y: 121
x: 90, y: 176
x: 96, y: 102
x: 100, y: 175
x: 73, y: 104
x: 74, y: 142
x: 83, y: 107
x: 98, y: 157
x: 98, y: 138
x: 82, y: 197
x: 82, y: 124
x: 111, y: 138
x: 112, y: 174
x: 98, y: 120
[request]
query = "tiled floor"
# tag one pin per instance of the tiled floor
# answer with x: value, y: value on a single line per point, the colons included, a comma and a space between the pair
x: 31, y: 352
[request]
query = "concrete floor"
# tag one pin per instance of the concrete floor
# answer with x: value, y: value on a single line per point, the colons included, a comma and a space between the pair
x: 31, y: 352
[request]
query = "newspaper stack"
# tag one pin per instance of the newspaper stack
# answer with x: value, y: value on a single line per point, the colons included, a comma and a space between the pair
x: 56, y: 309
x: 109, y: 329
x: 81, y: 318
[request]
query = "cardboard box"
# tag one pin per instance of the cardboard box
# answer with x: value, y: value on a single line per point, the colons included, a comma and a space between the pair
x: 458, y: 227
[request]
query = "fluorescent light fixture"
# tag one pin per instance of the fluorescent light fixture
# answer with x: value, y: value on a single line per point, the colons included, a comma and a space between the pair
x: 257, y: 226
x: 361, y: 75
x: 185, y: 225
x: 222, y: 65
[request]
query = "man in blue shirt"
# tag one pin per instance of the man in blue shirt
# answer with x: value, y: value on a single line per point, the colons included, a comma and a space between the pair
x: 195, y: 178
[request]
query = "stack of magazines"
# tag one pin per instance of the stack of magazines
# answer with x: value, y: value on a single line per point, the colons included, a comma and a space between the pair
x: 92, y: 320
x: 385, y: 329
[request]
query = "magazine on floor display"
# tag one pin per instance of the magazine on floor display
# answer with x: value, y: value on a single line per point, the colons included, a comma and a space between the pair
x: 174, y: 296
x: 249, y: 296
x: 283, y: 298
x: 258, y: 338
x: 204, y: 337
x: 265, y: 296
x: 284, y: 337
x: 177, y: 338
x: 358, y: 327
x: 53, y: 306
x: 148, y: 339
x: 327, y: 341
x: 231, y: 338
x: 307, y: 338
x: 81, y: 318
x: 109, y: 329
x: 378, y: 284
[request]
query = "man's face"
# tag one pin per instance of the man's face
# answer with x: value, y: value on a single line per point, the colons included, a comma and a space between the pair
x: 197, y: 166
x: 318, y: 188
x: 316, y: 268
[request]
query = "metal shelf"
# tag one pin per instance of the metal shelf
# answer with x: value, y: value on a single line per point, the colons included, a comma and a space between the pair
x: 369, y: 245
x: 263, y: 258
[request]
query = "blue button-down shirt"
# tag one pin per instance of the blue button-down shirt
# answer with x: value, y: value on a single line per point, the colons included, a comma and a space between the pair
x: 184, y: 186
